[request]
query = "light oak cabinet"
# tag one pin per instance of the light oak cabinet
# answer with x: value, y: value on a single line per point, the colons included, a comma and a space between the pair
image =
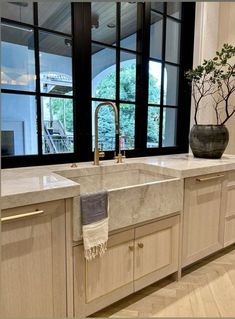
x: 203, y: 221
x: 156, y: 251
x: 229, y: 227
x: 33, y: 268
x: 134, y: 259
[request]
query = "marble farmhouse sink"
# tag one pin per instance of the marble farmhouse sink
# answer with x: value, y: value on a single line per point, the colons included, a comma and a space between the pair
x: 137, y: 192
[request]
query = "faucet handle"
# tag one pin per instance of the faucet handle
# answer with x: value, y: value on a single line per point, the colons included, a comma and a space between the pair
x: 119, y: 157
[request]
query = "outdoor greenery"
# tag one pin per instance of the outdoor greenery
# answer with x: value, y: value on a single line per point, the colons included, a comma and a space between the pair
x: 62, y: 109
x: 127, y: 111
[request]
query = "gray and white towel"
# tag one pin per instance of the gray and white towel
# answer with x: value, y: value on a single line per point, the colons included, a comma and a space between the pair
x: 94, y: 217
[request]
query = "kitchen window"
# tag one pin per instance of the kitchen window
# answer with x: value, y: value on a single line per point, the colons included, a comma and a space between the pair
x: 59, y: 60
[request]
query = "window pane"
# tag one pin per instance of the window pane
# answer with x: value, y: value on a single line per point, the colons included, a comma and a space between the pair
x: 172, y: 41
x: 55, y: 15
x: 158, y: 6
x: 156, y: 35
x: 127, y: 126
x: 155, y: 69
x: 18, y: 11
x: 57, y: 125
x: 55, y: 64
x: 174, y: 9
x: 169, y: 127
x: 103, y: 73
x: 103, y: 22
x: 106, y: 127
x: 128, y: 77
x: 17, y: 58
x: 18, y: 125
x: 171, y: 85
x: 153, y: 126
x: 128, y: 25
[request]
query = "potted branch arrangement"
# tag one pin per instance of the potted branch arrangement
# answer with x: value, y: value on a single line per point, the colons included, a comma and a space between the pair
x: 213, y: 85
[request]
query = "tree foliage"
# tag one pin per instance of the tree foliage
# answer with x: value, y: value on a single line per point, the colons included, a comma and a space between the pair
x: 127, y: 111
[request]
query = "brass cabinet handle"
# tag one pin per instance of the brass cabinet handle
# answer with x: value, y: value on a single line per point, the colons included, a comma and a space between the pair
x: 204, y: 179
x: 131, y: 248
x: 140, y: 245
x: 19, y: 216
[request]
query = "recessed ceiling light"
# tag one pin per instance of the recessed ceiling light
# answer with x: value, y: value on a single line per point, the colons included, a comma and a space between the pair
x: 111, y: 25
x: 68, y: 42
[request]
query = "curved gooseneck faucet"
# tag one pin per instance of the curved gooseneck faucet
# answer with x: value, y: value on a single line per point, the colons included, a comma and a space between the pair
x: 97, y: 152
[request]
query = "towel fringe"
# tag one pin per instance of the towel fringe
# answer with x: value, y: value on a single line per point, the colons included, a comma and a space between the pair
x: 97, y: 250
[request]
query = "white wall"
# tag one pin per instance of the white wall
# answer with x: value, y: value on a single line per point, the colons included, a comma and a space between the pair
x: 214, y: 26
x: 227, y: 35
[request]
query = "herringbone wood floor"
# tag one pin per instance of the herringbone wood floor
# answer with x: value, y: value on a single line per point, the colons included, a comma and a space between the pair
x: 206, y: 289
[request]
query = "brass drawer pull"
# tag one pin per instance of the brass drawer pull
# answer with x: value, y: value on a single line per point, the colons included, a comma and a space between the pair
x: 131, y: 248
x: 140, y: 245
x: 19, y: 216
x: 204, y: 179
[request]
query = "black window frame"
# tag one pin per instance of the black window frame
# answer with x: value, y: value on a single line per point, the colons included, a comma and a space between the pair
x: 82, y: 99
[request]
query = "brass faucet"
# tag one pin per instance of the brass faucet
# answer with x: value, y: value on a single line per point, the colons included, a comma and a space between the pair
x: 100, y: 153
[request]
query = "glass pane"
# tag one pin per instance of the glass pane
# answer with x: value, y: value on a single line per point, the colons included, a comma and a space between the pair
x: 106, y: 127
x: 103, y: 22
x: 128, y: 76
x: 171, y: 85
x: 55, y: 64
x: 169, y: 127
x: 55, y: 15
x: 153, y: 126
x: 155, y: 69
x: 174, y: 9
x: 103, y: 73
x: 18, y: 125
x: 17, y: 58
x: 57, y: 125
x: 18, y: 11
x: 127, y: 126
x: 158, y: 6
x: 172, y: 41
x: 156, y: 35
x: 128, y: 25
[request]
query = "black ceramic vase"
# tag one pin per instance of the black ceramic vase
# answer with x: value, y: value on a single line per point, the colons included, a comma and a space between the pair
x: 208, y: 141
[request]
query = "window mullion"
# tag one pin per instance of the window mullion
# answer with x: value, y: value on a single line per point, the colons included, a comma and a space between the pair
x: 162, y: 76
x: 118, y: 66
x: 143, y: 39
x: 37, y: 72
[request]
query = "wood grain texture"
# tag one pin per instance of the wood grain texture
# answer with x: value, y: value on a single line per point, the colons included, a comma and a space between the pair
x: 203, y: 218
x: 104, y: 280
x: 33, y: 276
x: 207, y: 289
x: 156, y: 251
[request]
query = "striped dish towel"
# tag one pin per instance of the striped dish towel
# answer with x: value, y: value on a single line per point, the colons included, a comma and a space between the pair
x: 94, y: 217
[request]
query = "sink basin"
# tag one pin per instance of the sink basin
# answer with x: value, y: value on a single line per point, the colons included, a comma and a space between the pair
x: 117, y: 180
x: 137, y: 192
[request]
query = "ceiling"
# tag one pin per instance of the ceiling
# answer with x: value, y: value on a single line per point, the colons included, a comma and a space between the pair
x: 56, y: 15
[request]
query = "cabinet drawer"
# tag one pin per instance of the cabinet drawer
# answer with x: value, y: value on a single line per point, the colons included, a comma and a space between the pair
x: 30, y: 211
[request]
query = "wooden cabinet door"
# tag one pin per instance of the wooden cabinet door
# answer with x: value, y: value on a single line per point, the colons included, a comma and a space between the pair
x: 105, y: 279
x: 33, y: 272
x: 156, y: 251
x: 202, y: 225
x: 229, y: 229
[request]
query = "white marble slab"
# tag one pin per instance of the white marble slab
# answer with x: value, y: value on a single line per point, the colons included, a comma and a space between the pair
x: 23, y: 186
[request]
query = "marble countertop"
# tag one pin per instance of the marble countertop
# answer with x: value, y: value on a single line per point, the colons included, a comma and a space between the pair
x: 23, y: 186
